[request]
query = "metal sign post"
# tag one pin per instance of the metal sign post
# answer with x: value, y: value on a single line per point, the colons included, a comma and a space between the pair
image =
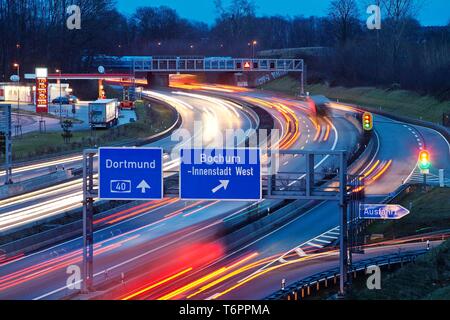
x: 343, y: 244
x: 5, y: 128
x: 315, y: 184
x: 89, y: 193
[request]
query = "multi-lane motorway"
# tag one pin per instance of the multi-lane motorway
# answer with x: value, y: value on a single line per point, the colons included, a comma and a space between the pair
x: 171, y: 249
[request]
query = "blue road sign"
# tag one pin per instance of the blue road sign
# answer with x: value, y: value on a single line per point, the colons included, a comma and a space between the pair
x: 130, y: 173
x: 220, y: 174
x: 382, y: 211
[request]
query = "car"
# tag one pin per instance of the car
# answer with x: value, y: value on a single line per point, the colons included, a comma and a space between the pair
x: 73, y: 99
x: 61, y: 100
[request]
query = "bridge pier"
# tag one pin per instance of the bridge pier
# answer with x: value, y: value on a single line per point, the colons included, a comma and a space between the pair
x: 157, y: 79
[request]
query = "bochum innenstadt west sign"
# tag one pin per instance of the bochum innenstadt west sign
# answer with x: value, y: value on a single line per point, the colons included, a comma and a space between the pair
x: 130, y: 173
x: 220, y: 174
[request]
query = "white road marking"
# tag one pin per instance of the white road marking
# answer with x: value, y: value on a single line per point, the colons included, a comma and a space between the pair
x: 314, y: 245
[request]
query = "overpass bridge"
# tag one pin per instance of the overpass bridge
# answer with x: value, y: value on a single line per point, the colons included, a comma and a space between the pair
x: 228, y: 69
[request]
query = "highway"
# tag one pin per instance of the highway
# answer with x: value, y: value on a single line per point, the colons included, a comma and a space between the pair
x: 20, y: 211
x: 152, y: 218
x: 314, y: 229
x: 173, y: 237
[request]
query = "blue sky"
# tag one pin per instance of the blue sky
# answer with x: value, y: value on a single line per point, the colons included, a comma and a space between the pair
x: 434, y: 12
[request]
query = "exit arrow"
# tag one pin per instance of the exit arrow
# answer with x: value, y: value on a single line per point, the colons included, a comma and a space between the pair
x: 143, y: 186
x: 223, y: 184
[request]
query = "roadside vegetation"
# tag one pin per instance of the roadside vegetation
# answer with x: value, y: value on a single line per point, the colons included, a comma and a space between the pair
x: 426, y: 279
x: 429, y: 276
x: 430, y: 212
x: 400, y: 102
x: 149, y: 121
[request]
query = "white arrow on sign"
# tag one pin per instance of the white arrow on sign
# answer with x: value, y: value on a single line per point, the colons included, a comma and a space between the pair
x: 143, y: 186
x: 223, y: 184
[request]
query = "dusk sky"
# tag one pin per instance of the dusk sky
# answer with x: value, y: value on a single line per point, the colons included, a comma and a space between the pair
x: 434, y: 12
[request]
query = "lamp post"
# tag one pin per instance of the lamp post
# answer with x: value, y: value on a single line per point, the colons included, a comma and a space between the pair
x: 18, y: 127
x: 60, y: 95
x: 17, y: 66
x: 254, y: 43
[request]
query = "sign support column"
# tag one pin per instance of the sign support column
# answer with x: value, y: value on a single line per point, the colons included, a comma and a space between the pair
x: 88, y: 225
x: 343, y: 254
x: 5, y: 127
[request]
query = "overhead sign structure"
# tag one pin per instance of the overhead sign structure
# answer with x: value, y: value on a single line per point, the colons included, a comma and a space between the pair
x: 220, y: 174
x: 382, y: 211
x: 130, y: 173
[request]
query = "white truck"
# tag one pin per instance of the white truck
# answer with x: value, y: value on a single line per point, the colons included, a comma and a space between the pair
x: 104, y: 113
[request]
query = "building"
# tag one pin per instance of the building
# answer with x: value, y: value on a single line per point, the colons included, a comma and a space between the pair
x: 10, y: 92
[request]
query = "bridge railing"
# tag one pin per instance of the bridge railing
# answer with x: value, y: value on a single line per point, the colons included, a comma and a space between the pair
x: 216, y: 65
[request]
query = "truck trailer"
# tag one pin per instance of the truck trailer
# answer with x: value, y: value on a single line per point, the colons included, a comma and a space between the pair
x: 104, y: 113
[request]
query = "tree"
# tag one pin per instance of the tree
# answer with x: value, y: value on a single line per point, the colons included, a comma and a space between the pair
x: 235, y: 24
x: 67, y: 125
x: 399, y: 16
x: 343, y: 15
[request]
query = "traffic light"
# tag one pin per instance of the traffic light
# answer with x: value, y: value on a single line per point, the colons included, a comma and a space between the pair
x: 424, y: 160
x: 367, y: 121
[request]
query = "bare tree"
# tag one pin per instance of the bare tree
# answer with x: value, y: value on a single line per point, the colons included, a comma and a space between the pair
x: 398, y: 15
x: 343, y: 15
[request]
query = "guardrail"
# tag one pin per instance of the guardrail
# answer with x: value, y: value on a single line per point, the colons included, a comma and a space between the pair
x: 302, y: 288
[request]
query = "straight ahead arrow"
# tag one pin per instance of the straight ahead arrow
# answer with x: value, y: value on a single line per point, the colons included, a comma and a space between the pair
x: 143, y: 186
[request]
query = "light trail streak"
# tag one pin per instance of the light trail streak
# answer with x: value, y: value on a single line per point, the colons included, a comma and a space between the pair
x: 131, y: 296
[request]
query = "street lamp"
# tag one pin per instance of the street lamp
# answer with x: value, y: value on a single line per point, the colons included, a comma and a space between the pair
x: 254, y: 43
x: 60, y: 95
x: 17, y: 66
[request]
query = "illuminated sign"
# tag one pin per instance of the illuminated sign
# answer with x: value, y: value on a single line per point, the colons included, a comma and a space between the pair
x: 41, y: 95
x: 247, y: 65
x: 41, y: 73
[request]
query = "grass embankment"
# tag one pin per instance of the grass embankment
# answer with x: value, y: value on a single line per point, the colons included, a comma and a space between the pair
x: 427, y: 278
x: 400, y: 102
x: 430, y: 211
x: 150, y: 121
